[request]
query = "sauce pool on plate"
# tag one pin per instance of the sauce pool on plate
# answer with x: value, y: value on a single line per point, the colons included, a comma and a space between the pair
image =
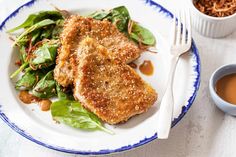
x: 45, y: 104
x: 28, y: 98
x: 146, y: 68
x: 226, y: 88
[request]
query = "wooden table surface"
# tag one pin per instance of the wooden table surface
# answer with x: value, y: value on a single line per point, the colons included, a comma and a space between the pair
x: 204, y: 132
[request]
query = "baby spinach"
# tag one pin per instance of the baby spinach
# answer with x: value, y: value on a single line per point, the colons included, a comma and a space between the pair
x: 57, y: 29
x: 28, y: 22
x: 20, y: 69
x: 46, y: 33
x: 143, y: 35
x: 46, y: 87
x: 73, y: 114
x: 63, y: 95
x: 36, y: 17
x: 44, y: 56
x: 23, y: 41
x: 35, y: 36
x: 23, y: 54
x: 120, y: 17
x: 34, y: 27
x: 99, y: 15
x: 27, y: 81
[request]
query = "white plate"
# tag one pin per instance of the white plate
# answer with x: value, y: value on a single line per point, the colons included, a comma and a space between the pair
x: 39, y: 127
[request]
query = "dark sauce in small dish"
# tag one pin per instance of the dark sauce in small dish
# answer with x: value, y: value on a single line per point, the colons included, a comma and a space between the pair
x: 226, y: 88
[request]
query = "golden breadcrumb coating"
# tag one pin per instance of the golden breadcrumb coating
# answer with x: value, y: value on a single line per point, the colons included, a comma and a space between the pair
x: 77, y: 28
x: 107, y: 86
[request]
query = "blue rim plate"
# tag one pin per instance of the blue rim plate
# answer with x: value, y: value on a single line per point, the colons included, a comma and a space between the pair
x: 10, y: 116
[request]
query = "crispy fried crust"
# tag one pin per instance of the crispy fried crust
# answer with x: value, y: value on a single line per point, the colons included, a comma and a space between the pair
x: 77, y: 28
x: 107, y: 86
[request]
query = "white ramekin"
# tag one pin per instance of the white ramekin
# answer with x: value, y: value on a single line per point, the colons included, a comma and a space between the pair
x: 209, y: 26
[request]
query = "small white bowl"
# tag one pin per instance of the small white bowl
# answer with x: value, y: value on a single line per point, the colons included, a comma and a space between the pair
x: 210, y: 26
x: 220, y: 103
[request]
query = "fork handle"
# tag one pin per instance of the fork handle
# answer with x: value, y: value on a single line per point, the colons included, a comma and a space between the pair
x: 167, y: 104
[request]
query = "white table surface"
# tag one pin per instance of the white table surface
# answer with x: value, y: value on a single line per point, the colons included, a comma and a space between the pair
x: 204, y: 132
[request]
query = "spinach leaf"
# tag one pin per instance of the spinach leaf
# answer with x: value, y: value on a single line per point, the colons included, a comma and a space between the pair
x: 46, y: 87
x: 46, y: 33
x: 27, y: 81
x: 28, y: 22
x: 35, y: 36
x: 36, y: 17
x: 99, y: 15
x: 63, y: 95
x: 120, y: 17
x: 57, y: 29
x: 143, y: 35
x: 20, y: 69
x: 44, y: 56
x: 23, y: 54
x: 23, y: 41
x: 73, y: 114
x: 34, y: 27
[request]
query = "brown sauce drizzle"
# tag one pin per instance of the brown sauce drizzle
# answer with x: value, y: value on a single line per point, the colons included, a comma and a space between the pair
x: 45, y: 104
x: 226, y: 88
x: 28, y: 98
x: 146, y: 68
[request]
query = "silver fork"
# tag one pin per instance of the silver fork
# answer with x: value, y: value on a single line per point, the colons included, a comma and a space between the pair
x: 181, y: 43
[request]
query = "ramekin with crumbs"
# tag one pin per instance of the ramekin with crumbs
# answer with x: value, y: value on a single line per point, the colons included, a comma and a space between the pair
x: 213, y: 18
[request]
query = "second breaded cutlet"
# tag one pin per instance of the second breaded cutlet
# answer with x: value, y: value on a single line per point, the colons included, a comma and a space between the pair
x: 108, y: 87
x: 77, y: 28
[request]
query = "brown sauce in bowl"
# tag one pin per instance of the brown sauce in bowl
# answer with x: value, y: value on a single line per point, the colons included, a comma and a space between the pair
x: 146, y: 68
x: 226, y: 88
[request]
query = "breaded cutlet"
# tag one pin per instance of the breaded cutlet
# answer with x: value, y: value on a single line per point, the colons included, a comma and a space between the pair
x: 77, y: 28
x: 107, y: 86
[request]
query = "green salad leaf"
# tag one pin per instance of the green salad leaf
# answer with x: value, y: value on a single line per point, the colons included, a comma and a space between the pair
x: 46, y: 33
x: 99, y: 15
x: 46, y: 87
x: 120, y: 17
x: 63, y: 95
x: 20, y: 69
x: 73, y: 114
x: 57, y: 29
x: 44, y: 56
x: 28, y: 22
x: 37, y: 17
x: 34, y: 27
x: 23, y: 41
x: 35, y: 36
x: 27, y: 81
x: 23, y: 54
x: 141, y: 34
